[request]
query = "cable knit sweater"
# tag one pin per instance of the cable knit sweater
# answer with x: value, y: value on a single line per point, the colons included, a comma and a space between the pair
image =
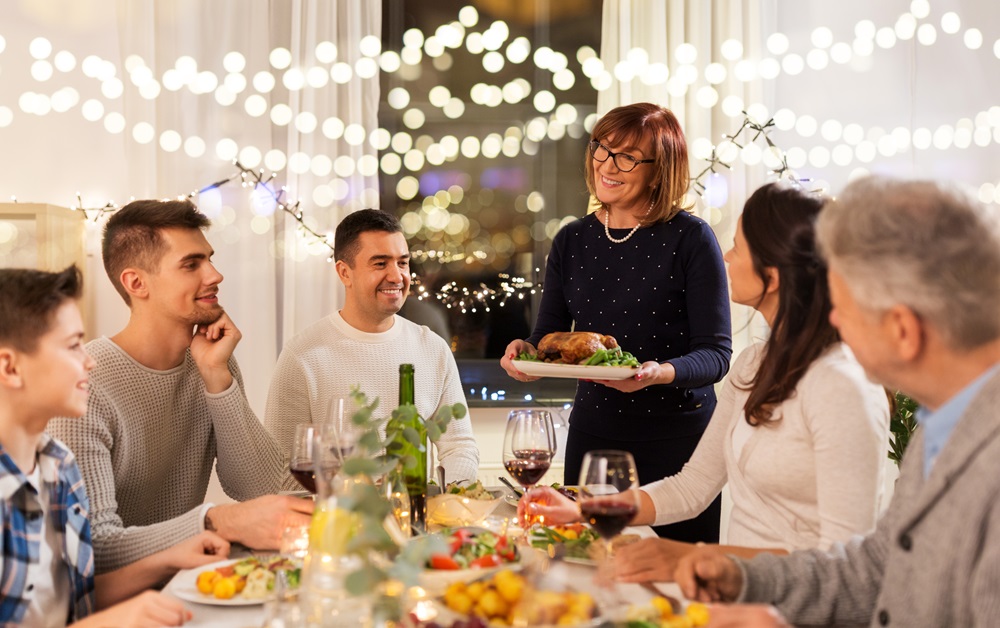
x: 812, y: 478
x: 146, y: 449
x: 328, y: 357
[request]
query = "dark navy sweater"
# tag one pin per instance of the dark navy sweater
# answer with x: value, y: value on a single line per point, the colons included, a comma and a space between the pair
x: 663, y: 295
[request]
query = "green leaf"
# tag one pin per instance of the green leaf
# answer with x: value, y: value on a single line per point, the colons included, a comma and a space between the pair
x: 360, y: 466
x: 370, y: 441
x: 433, y: 432
x: 371, y: 537
x: 901, y: 426
x: 412, y: 436
x: 364, y: 579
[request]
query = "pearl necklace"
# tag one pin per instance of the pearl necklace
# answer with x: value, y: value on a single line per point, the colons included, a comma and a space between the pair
x: 631, y: 233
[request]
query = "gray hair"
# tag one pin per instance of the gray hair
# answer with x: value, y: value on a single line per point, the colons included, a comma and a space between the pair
x: 927, y: 245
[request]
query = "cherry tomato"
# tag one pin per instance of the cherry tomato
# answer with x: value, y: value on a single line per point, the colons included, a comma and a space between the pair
x: 443, y: 561
x: 505, y: 550
x: 485, y: 562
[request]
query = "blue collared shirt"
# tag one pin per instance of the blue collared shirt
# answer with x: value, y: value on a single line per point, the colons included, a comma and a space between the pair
x: 938, y: 425
x: 20, y: 510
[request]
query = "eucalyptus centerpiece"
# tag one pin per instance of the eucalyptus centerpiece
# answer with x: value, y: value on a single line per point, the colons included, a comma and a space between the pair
x: 355, y: 544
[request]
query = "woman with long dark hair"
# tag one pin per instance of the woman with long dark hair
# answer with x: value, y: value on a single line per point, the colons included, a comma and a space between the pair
x: 650, y: 273
x: 800, y: 433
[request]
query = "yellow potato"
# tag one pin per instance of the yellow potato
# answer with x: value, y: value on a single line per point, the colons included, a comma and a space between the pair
x: 224, y: 589
x: 475, y: 590
x: 206, y: 581
x: 492, y: 604
x: 662, y: 605
x: 458, y: 601
x: 509, y: 586
x: 698, y: 614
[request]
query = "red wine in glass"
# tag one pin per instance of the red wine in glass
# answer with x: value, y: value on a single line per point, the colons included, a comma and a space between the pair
x: 608, y: 515
x: 529, y: 444
x: 303, y: 473
x: 528, y: 466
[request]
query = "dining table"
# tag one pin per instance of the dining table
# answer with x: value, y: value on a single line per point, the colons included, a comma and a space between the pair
x: 580, y: 576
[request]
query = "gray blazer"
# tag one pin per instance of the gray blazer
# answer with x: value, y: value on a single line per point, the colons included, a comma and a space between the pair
x: 933, y: 559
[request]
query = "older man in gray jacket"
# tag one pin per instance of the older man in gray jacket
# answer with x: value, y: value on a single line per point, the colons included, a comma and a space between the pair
x: 915, y: 283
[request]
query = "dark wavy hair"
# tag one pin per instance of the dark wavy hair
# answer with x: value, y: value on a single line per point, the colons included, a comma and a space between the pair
x: 779, y: 224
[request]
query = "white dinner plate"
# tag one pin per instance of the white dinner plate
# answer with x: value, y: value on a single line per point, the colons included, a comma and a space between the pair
x: 185, y: 586
x: 573, y: 371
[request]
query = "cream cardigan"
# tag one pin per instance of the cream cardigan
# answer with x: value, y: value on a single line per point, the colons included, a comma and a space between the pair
x: 807, y: 480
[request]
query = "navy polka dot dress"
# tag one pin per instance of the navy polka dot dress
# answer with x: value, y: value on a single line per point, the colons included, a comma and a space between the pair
x: 663, y: 295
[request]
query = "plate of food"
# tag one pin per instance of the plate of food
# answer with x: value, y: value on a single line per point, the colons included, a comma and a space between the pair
x: 571, y: 542
x: 663, y: 612
x: 243, y: 582
x: 574, y: 543
x: 578, y: 355
x: 507, y: 599
x: 462, y: 505
x: 472, y: 553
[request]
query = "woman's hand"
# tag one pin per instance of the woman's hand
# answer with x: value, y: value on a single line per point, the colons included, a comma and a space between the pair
x: 547, y: 502
x: 649, y: 560
x: 649, y: 373
x: 514, y: 349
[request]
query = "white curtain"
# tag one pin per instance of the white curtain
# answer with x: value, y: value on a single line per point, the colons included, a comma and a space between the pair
x: 273, y: 285
x: 659, y: 28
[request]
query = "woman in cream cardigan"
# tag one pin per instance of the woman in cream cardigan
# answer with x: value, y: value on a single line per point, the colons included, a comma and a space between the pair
x: 800, y: 433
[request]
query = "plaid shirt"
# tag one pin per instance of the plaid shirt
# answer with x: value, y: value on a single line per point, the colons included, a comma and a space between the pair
x: 20, y: 511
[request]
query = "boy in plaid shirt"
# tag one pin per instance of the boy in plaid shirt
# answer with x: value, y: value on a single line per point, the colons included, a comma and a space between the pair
x: 47, y: 561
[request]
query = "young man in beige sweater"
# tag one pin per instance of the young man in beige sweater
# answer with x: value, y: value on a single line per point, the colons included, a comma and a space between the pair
x: 167, y: 402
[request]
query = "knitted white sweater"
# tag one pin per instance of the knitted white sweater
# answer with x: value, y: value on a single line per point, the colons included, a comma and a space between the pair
x: 811, y: 478
x: 146, y: 449
x: 328, y: 357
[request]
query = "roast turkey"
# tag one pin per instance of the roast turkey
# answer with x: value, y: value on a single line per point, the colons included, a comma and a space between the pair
x: 573, y: 347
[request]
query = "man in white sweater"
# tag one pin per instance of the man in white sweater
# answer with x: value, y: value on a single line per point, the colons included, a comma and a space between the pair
x: 167, y: 402
x: 365, y: 342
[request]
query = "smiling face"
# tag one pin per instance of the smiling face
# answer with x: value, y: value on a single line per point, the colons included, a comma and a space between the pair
x: 185, y: 285
x: 54, y: 375
x: 625, y: 191
x: 376, y: 281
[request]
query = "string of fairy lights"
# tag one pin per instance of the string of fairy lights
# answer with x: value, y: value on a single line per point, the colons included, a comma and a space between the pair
x: 452, y: 294
x: 692, y: 72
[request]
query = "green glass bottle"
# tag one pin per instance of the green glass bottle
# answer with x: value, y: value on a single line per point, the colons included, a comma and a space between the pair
x: 406, y: 426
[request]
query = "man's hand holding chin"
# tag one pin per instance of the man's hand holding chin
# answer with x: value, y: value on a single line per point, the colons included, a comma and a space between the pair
x: 211, y: 347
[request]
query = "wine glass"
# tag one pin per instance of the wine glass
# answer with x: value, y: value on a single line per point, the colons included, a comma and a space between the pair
x: 608, y: 497
x: 301, y: 463
x: 339, y: 429
x: 529, y: 444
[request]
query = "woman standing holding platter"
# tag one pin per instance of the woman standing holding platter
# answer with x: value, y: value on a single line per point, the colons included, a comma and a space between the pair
x: 649, y: 273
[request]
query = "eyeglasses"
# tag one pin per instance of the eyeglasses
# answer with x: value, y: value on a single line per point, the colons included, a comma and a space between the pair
x: 625, y: 163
